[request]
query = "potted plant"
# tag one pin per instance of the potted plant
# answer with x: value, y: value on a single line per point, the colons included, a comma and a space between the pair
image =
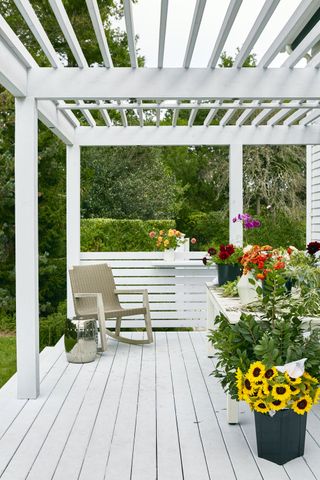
x: 167, y: 241
x: 226, y: 257
x: 269, y: 361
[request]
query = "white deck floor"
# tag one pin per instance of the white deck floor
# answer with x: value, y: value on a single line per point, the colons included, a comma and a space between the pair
x: 140, y: 413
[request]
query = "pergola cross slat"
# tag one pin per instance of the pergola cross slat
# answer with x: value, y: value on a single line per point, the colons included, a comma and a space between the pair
x: 249, y: 106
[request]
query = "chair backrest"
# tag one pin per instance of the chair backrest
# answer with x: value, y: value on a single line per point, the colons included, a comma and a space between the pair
x: 93, y: 279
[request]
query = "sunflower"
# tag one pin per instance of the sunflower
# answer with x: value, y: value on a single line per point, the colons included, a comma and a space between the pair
x: 256, y: 371
x: 281, y: 391
x: 239, y: 383
x: 309, y: 378
x: 247, y: 386
x: 316, y: 397
x: 261, y: 406
x: 294, y: 390
x: 270, y: 373
x: 292, y: 381
x: 302, y: 405
x: 278, y: 404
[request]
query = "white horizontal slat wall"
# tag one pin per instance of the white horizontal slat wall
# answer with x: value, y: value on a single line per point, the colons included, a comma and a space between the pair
x: 176, y: 291
x: 313, y: 195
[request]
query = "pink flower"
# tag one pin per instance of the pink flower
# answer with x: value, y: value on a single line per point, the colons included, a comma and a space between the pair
x: 152, y: 234
x: 193, y: 241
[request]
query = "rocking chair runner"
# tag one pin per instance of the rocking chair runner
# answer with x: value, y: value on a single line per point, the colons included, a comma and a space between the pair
x: 95, y: 295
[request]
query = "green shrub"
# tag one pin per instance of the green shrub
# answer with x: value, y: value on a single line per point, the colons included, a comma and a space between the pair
x: 7, y: 358
x: 113, y: 235
x: 213, y: 228
x: 52, y: 327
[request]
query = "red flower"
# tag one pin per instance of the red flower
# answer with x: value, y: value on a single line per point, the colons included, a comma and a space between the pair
x: 193, y: 241
x: 223, y: 255
x: 212, y: 251
x: 230, y: 249
x: 279, y: 266
x: 313, y: 247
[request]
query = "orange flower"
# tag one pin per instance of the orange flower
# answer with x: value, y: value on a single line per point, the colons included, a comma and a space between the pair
x: 279, y: 265
x: 260, y: 276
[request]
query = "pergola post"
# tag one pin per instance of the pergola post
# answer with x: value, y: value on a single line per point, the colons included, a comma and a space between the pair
x: 235, y: 193
x: 309, y: 196
x: 73, y: 216
x: 26, y: 237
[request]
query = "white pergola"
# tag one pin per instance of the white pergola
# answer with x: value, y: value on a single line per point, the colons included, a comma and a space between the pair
x: 271, y: 106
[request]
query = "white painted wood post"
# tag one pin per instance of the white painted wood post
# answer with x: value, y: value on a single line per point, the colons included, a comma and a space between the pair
x: 235, y: 193
x: 73, y: 216
x: 309, y: 194
x: 26, y: 240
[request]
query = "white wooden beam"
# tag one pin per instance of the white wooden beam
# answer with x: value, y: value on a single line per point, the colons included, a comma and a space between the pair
x: 303, y: 47
x: 26, y: 238
x: 193, y: 115
x: 278, y: 117
x: 210, y: 116
x: 229, y: 113
x: 123, y: 115
x: 162, y: 31
x: 26, y: 10
x: 247, y: 112
x: 235, y: 193
x: 255, y: 32
x: 85, y: 112
x: 15, y: 44
x: 140, y: 113
x: 227, y: 23
x: 311, y: 117
x: 314, y: 62
x: 292, y: 28
x: 259, y: 119
x: 56, y: 121
x: 309, y: 193
x: 104, y: 114
x: 130, y: 32
x: 173, y: 83
x: 175, y: 115
x: 198, y: 135
x: 68, y: 32
x: 294, y: 117
x: 13, y: 74
x: 96, y: 20
x: 73, y: 216
x: 158, y: 117
x: 196, y: 22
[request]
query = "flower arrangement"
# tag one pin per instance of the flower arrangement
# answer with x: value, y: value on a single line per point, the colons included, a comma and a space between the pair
x: 248, y: 221
x: 225, y: 255
x: 164, y: 240
x: 267, y: 389
x: 262, y: 260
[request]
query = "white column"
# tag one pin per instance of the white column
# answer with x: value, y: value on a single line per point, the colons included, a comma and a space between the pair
x: 73, y: 216
x: 309, y: 194
x: 26, y: 238
x: 235, y: 193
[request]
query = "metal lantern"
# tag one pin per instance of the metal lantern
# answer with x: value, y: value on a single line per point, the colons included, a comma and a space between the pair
x: 80, y: 340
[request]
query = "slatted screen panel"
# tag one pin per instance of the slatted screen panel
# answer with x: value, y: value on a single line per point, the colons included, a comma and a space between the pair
x: 315, y: 192
x: 177, y: 293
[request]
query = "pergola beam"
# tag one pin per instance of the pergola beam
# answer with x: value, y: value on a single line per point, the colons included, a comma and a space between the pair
x: 196, y: 22
x: 13, y: 75
x: 198, y: 135
x: 311, y: 39
x: 130, y: 32
x: 173, y: 83
x: 96, y: 20
x: 162, y: 31
x: 56, y: 121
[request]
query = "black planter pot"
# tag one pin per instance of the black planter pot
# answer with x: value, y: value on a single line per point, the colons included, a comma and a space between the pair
x: 280, y: 438
x: 227, y: 273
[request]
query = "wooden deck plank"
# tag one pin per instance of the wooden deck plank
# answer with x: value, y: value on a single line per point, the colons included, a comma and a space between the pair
x: 192, y: 452
x: 169, y: 460
x: 74, y: 452
x: 97, y: 452
x: 21, y: 464
x: 120, y: 458
x: 13, y: 437
x: 54, y: 444
x: 144, y: 462
x: 239, y: 451
x: 218, y: 459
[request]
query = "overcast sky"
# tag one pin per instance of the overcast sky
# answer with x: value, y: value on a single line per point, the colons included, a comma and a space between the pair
x: 146, y: 21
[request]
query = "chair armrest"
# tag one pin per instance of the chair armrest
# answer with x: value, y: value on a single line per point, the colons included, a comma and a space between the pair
x: 142, y: 291
x: 100, y: 315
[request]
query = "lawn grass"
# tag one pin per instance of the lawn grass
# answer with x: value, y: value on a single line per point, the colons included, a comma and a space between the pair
x: 7, y: 358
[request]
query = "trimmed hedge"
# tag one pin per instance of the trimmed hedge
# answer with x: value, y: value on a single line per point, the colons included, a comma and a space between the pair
x: 212, y: 228
x: 113, y: 235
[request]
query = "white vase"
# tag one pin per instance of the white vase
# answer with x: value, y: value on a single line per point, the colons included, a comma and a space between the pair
x: 246, y: 290
x: 168, y: 255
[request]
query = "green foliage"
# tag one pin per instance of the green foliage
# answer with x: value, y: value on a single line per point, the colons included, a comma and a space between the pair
x: 128, y: 182
x: 7, y: 358
x: 230, y: 289
x: 52, y: 327
x: 111, y: 235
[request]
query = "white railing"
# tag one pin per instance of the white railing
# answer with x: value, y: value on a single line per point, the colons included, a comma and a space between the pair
x: 177, y: 291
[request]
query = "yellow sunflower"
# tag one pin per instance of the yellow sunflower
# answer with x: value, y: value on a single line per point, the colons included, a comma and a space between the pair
x: 302, y: 405
x: 292, y: 381
x: 309, y: 378
x: 261, y: 406
x: 270, y: 373
x: 278, y: 404
x: 256, y: 371
x: 281, y: 391
x: 239, y: 383
x: 316, y: 397
x: 294, y: 389
x: 247, y: 386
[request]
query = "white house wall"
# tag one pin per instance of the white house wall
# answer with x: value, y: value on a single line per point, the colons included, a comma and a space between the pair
x: 313, y: 200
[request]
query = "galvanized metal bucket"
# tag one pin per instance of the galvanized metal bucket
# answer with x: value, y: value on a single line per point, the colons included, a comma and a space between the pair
x: 81, y: 340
